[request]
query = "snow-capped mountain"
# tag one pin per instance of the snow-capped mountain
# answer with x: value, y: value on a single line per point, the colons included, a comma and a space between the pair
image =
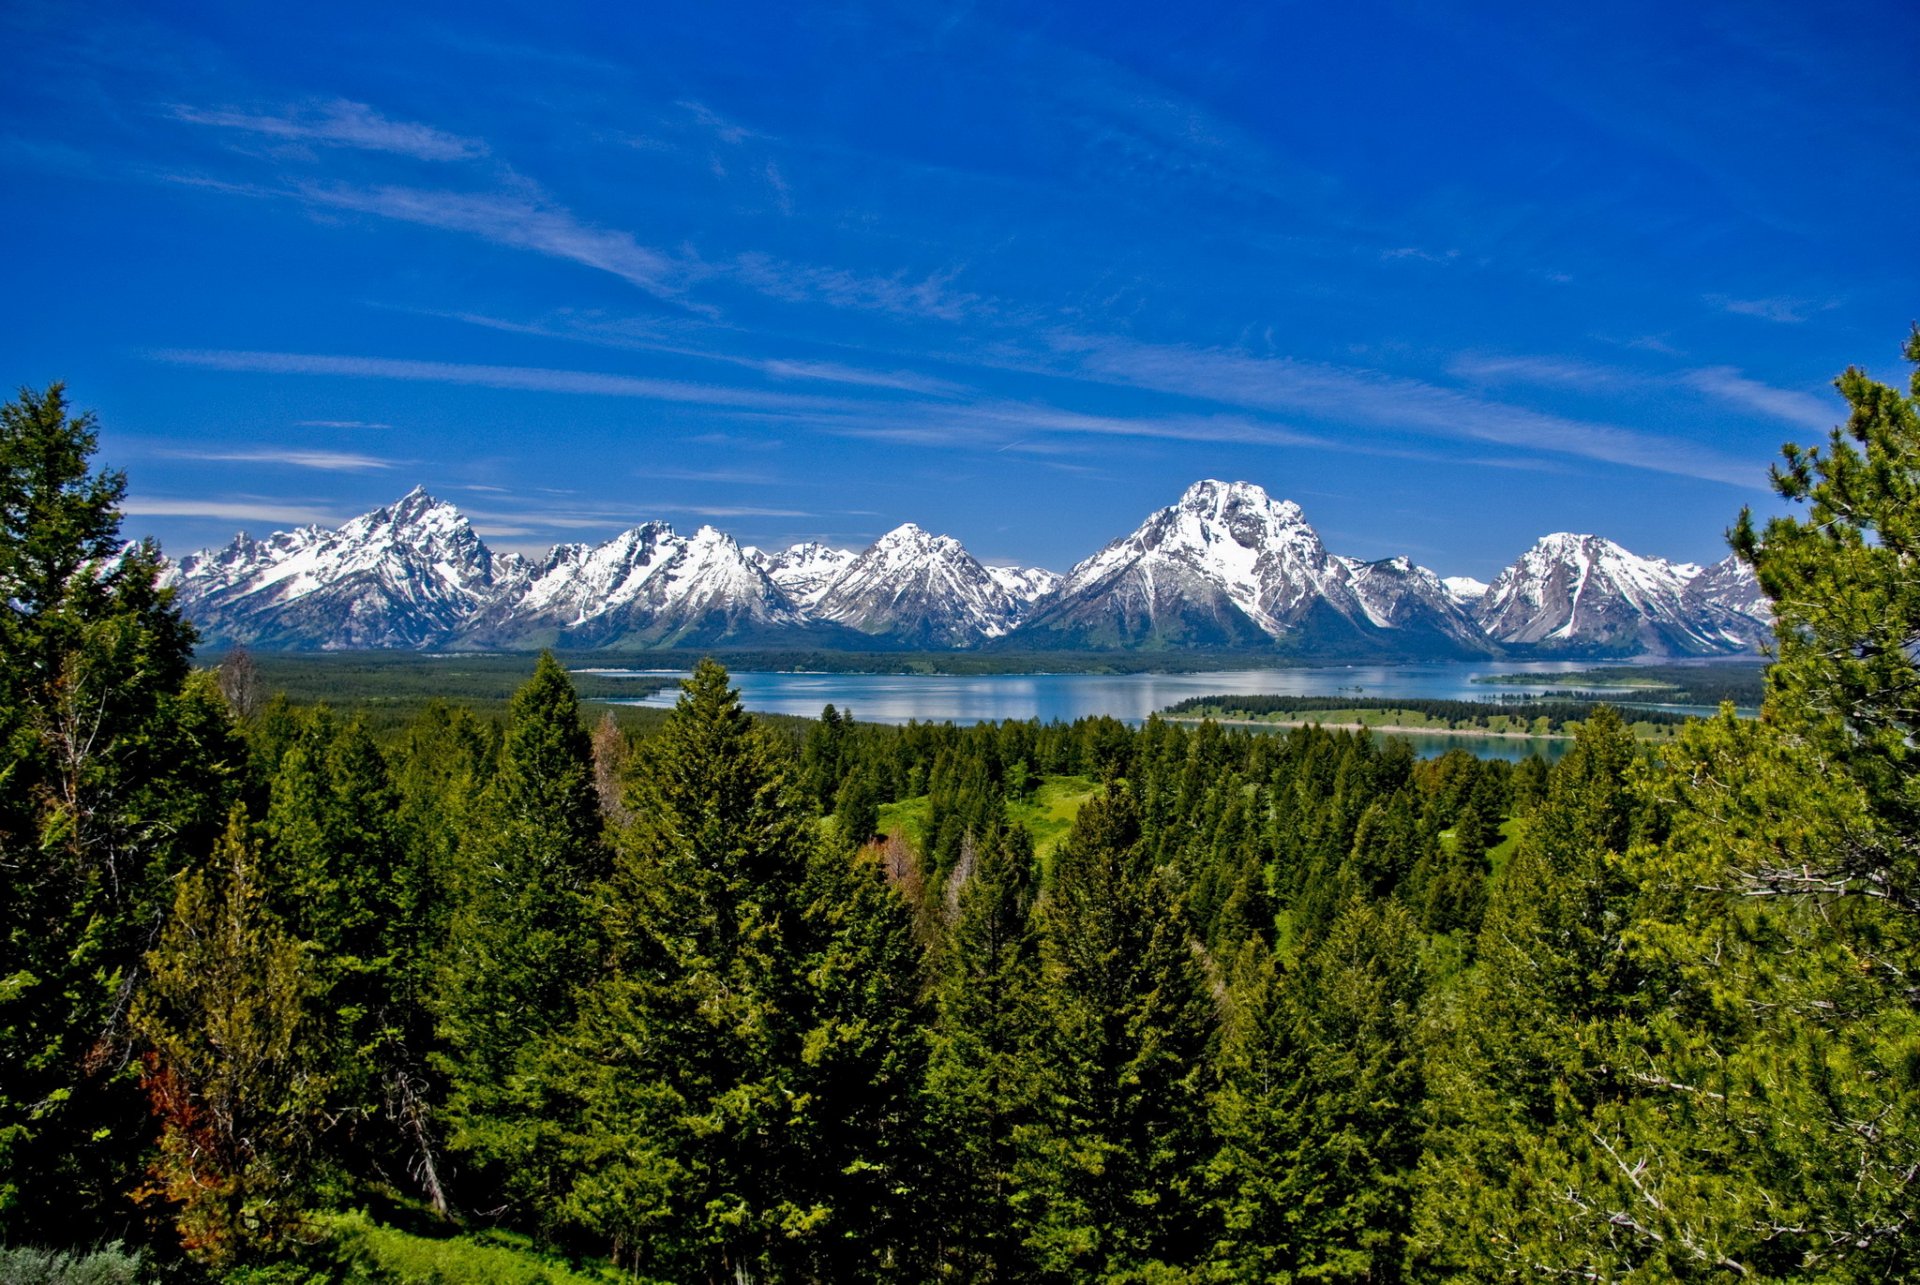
x: 407, y: 575
x: 1397, y: 594
x: 647, y: 586
x: 1229, y: 566
x: 1226, y: 567
x: 919, y: 589
x: 1025, y: 585
x: 1582, y: 594
x: 1727, y: 595
x: 803, y: 571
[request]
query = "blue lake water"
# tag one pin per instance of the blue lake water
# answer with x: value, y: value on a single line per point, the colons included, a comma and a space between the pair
x: 975, y: 698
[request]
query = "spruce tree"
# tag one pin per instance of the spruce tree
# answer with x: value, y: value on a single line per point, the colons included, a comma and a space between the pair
x: 521, y: 940
x: 235, y: 1072
x: 983, y: 1075
x: 1111, y: 1169
x: 116, y: 770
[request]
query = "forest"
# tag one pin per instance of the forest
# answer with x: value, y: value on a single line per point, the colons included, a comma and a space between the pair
x: 289, y: 997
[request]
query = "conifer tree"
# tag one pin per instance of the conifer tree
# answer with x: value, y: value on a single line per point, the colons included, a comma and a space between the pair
x: 1524, y: 1063
x: 742, y: 1071
x: 1766, y: 1124
x: 1318, y: 1107
x: 522, y: 939
x: 1111, y: 1169
x: 982, y: 1075
x: 234, y: 1074
x: 115, y: 773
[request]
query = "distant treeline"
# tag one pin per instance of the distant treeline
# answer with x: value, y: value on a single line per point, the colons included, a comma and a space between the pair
x: 1739, y: 682
x: 1557, y: 713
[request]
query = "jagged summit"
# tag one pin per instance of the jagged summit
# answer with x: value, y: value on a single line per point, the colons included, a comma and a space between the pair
x: 404, y: 575
x: 1584, y: 594
x: 1226, y: 566
x: 1230, y: 566
x: 921, y: 589
x: 803, y: 571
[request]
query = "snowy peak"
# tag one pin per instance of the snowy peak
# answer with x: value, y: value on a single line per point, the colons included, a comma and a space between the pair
x: 1229, y: 566
x: 400, y: 576
x: 646, y: 585
x: 803, y: 571
x: 1585, y: 594
x: 921, y: 589
x: 1226, y: 566
x: 1025, y: 585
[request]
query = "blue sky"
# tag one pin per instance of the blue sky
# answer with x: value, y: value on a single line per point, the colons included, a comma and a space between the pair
x: 1019, y: 274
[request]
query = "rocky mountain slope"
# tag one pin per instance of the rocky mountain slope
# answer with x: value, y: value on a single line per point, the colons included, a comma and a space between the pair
x: 1584, y: 595
x: 1231, y: 567
x: 1227, y: 567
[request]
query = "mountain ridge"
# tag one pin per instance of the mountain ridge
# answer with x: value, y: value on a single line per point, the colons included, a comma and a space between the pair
x: 1226, y: 567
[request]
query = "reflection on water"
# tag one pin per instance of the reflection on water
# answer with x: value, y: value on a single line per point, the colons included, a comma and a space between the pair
x: 975, y: 698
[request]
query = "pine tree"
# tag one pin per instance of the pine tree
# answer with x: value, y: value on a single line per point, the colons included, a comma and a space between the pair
x: 234, y: 1073
x: 115, y: 772
x: 983, y: 1074
x: 521, y: 940
x: 1112, y: 1167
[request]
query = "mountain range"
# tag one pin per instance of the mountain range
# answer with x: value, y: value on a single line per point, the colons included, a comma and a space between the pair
x: 1226, y: 568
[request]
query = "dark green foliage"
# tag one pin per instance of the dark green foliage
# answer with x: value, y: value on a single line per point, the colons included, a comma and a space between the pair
x: 983, y: 1076
x: 743, y: 1073
x: 532, y: 857
x: 1112, y: 1164
x: 1318, y: 1108
x: 115, y: 772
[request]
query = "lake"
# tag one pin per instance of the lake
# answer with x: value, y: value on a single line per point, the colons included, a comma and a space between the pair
x: 976, y: 698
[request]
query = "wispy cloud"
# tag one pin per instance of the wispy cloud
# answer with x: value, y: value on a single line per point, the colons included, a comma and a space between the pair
x: 293, y: 457
x: 529, y: 378
x: 341, y: 123
x: 1558, y: 372
x: 632, y: 336
x: 902, y: 294
x: 727, y: 131
x: 1783, y: 310
x: 230, y: 510
x: 1026, y: 427
x: 1729, y: 385
x: 1724, y: 383
x: 726, y: 477
x: 1391, y: 402
x: 340, y: 423
x: 520, y: 221
x: 734, y: 511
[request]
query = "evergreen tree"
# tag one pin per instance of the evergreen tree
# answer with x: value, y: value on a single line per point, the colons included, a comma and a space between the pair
x: 234, y: 1073
x: 522, y: 939
x: 115, y: 772
x: 1318, y: 1107
x: 742, y: 1071
x: 1111, y: 1168
x: 1524, y: 1063
x: 982, y: 1075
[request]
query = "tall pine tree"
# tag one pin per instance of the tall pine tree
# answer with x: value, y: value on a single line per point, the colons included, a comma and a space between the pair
x: 1112, y: 1167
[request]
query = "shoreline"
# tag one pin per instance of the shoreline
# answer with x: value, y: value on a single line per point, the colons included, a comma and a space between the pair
x: 1488, y: 735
